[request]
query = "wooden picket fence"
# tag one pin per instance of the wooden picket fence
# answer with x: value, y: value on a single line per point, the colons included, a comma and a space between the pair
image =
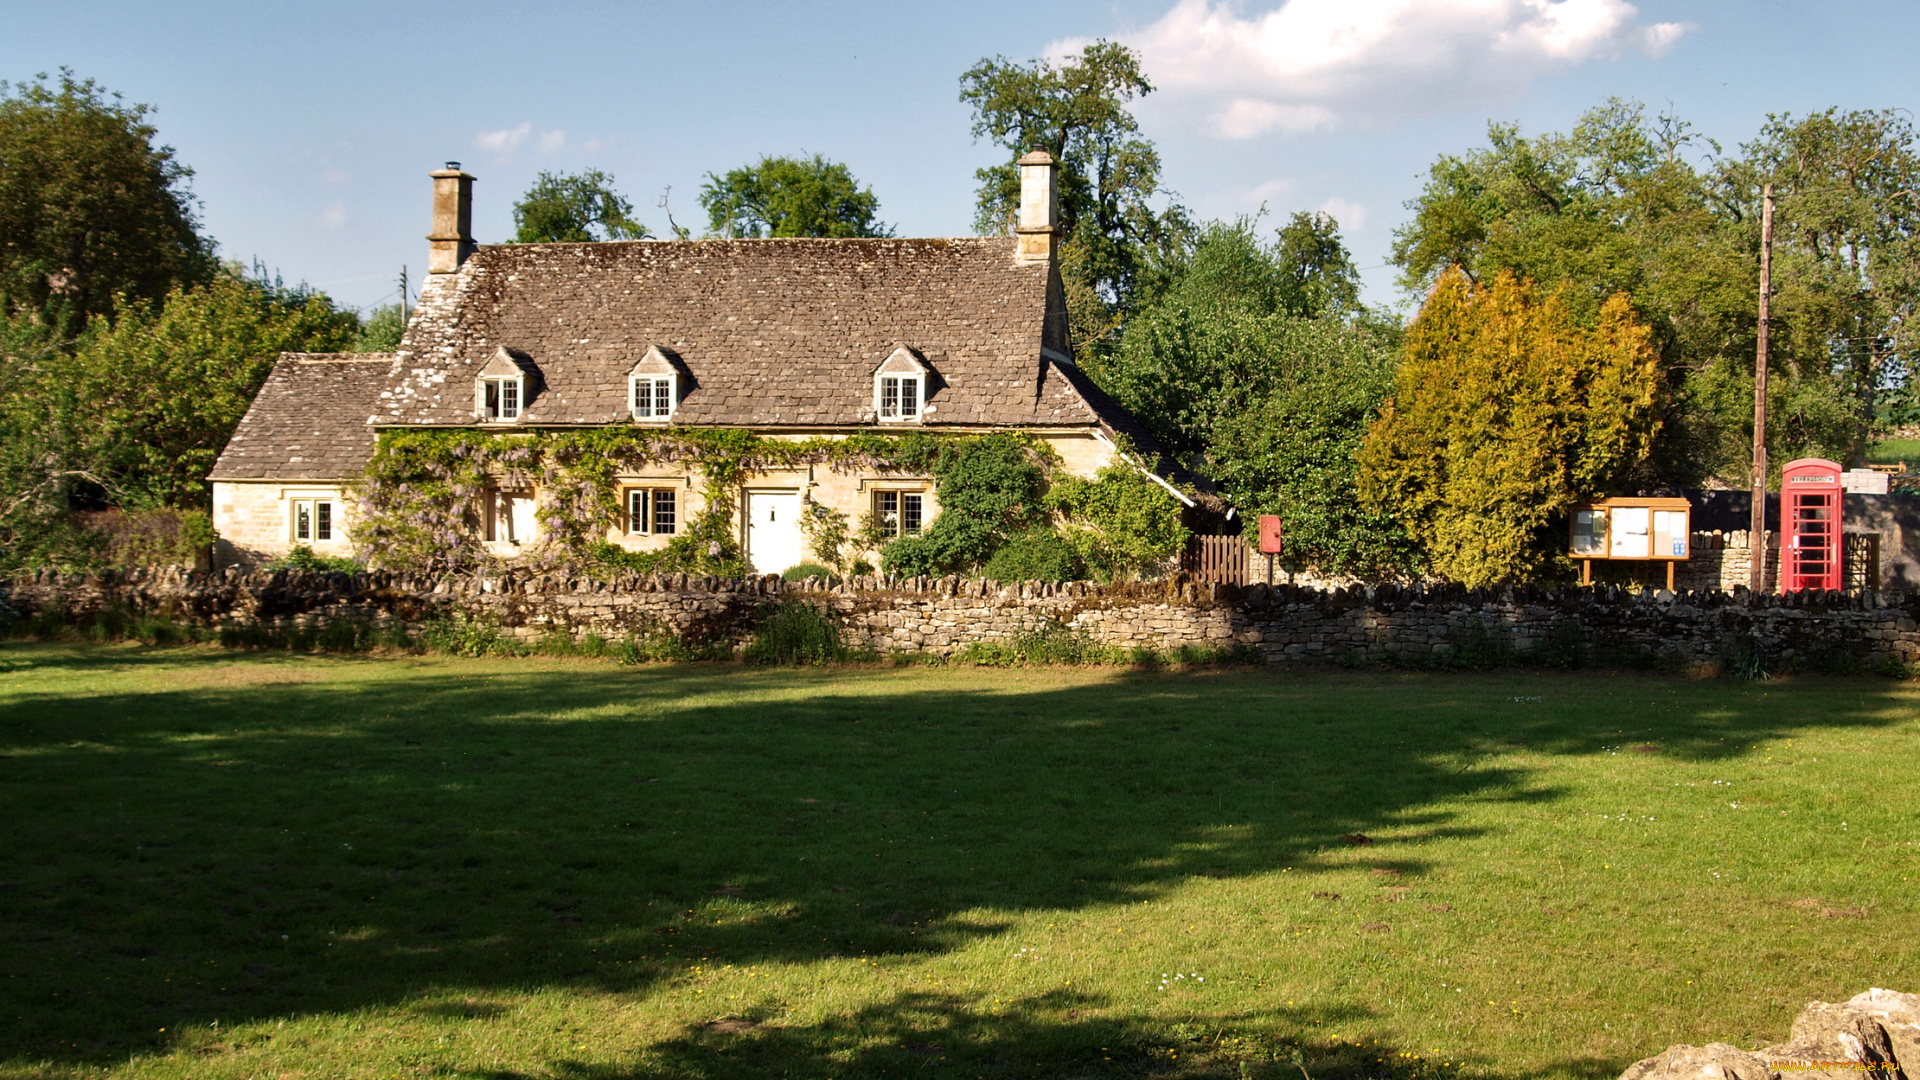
x: 1217, y: 558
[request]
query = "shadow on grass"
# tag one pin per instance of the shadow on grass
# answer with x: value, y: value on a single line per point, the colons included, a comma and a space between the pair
x: 1044, y: 1035
x: 259, y: 837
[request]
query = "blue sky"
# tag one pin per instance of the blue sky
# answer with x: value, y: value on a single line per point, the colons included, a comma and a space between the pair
x: 311, y: 127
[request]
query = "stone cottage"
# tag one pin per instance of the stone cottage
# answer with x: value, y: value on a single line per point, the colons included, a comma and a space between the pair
x: 787, y: 338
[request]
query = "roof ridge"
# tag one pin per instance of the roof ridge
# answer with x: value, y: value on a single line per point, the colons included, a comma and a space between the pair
x: 340, y: 357
x: 662, y: 241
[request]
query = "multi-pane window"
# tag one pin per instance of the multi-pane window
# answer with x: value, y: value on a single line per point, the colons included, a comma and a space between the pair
x: 899, y: 512
x: 900, y: 397
x: 500, y: 399
x: 312, y: 520
x: 652, y: 511
x: 652, y: 397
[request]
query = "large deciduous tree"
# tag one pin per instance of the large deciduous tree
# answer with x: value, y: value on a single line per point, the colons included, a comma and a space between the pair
x: 135, y: 411
x: 1505, y: 412
x: 1109, y: 176
x: 92, y: 208
x: 574, y: 208
x: 1627, y: 203
x: 157, y: 391
x: 1847, y: 228
x: 782, y: 196
x: 1253, y: 362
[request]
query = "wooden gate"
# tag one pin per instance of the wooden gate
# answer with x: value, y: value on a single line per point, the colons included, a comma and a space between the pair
x: 1216, y: 558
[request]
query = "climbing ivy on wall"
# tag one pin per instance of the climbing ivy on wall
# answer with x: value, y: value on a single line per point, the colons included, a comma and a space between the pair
x: 990, y: 488
x: 419, y: 502
x: 420, y: 499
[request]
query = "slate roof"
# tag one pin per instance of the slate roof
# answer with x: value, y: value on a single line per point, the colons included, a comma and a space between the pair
x: 773, y: 333
x: 309, y: 421
x: 766, y: 333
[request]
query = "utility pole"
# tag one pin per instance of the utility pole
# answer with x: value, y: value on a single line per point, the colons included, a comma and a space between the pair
x: 403, y: 294
x: 1757, y: 530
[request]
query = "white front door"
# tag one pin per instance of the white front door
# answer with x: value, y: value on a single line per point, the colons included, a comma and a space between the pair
x: 773, y: 531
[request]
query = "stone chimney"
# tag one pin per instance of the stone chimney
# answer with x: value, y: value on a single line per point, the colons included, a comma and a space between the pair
x: 451, y: 240
x: 1039, y: 209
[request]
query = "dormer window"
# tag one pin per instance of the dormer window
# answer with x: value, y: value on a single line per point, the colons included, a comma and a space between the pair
x: 900, y: 388
x: 900, y: 397
x: 651, y: 396
x: 653, y: 386
x: 500, y: 398
x: 500, y: 392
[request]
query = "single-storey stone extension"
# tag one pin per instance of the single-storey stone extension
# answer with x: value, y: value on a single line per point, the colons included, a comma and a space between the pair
x: 786, y: 338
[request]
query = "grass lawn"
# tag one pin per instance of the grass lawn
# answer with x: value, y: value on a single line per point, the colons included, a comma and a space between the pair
x: 229, y: 865
x: 1889, y: 451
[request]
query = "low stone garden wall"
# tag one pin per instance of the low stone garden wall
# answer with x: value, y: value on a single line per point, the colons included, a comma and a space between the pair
x: 1278, y: 624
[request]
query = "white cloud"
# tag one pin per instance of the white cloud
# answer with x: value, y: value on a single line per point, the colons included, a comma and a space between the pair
x: 1271, y: 189
x: 505, y: 141
x: 552, y: 140
x: 333, y: 218
x: 1323, y: 64
x: 335, y: 176
x: 1351, y: 215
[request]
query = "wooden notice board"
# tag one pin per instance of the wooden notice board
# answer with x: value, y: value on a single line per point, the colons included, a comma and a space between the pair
x: 1633, y: 529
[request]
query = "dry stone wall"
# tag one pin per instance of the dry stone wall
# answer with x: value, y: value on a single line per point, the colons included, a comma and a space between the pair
x: 940, y: 616
x: 1876, y: 1033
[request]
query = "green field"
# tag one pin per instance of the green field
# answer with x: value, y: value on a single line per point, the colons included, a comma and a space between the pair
x: 219, y: 864
x: 1890, y: 451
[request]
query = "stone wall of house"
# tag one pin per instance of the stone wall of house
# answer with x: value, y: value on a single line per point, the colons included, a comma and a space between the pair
x: 253, y: 519
x: 1280, y: 624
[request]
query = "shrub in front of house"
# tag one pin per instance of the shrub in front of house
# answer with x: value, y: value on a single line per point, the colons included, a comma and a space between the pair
x: 149, y: 537
x: 305, y: 558
x: 795, y: 632
x: 1036, y: 555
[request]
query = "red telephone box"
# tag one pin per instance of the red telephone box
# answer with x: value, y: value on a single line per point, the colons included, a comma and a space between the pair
x: 1811, y: 504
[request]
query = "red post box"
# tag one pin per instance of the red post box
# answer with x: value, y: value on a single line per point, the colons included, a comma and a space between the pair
x: 1270, y: 534
x: 1811, y: 504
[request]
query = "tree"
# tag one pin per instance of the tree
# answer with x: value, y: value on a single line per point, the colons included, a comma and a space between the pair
x: 1108, y: 175
x: 1506, y: 412
x: 782, y: 196
x: 1254, y: 362
x: 1319, y: 275
x: 147, y: 400
x: 1209, y: 341
x: 382, y: 330
x: 1847, y: 229
x: 92, y: 209
x: 1295, y: 450
x: 574, y: 208
x: 1617, y: 206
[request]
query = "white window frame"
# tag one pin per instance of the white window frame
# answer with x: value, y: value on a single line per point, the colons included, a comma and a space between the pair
x: 655, y: 384
x: 643, y: 509
x: 890, y: 410
x: 895, y: 521
x: 322, y: 511
x: 499, y: 384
